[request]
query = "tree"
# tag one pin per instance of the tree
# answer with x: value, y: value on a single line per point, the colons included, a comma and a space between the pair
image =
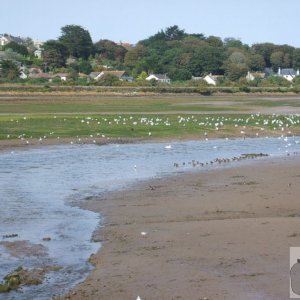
x: 17, y: 48
x: 214, y: 41
x: 296, y: 58
x: 54, y: 54
x: 179, y: 74
x: 142, y: 76
x: 77, y: 40
x: 238, y: 57
x: 174, y: 33
x: 9, y: 70
x: 81, y: 66
x: 231, y: 42
x: 134, y: 55
x: 206, y: 60
x: 9, y: 54
x: 264, y: 49
x: 235, y: 71
x: 276, y: 60
x: 256, y: 62
x: 276, y: 81
x: 110, y: 50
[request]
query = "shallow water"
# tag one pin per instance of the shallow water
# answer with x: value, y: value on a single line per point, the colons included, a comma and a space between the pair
x: 38, y: 186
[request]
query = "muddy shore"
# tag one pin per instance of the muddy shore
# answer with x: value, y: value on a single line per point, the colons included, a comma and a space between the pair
x: 221, y: 234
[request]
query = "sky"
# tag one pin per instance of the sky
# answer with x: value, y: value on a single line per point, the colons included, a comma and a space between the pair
x: 255, y: 21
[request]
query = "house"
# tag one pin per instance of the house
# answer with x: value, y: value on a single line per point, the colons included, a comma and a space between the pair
x: 159, y: 77
x: 38, y: 53
x: 4, y: 40
x: 38, y: 44
x: 268, y: 72
x: 23, y: 75
x: 288, y: 74
x: 7, y: 38
x: 61, y: 76
x: 47, y: 76
x: 212, y: 79
x: 197, y: 78
x: 122, y: 75
x: 254, y: 75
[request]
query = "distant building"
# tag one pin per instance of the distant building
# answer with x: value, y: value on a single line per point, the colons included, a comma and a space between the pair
x: 61, y: 76
x: 197, y: 78
x: 122, y: 75
x: 254, y: 75
x: 4, y: 40
x: 7, y: 38
x: 38, y: 53
x: 159, y: 77
x: 23, y: 75
x: 268, y: 72
x: 41, y: 76
x: 288, y: 74
x: 212, y: 79
x: 38, y: 44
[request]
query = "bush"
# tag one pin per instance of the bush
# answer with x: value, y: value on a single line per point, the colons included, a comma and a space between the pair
x: 275, y: 81
x: 244, y: 89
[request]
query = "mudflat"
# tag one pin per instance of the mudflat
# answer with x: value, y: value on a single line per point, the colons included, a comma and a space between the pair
x: 218, y: 234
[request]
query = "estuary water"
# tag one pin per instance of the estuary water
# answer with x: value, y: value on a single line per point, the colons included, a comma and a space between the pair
x: 39, y: 186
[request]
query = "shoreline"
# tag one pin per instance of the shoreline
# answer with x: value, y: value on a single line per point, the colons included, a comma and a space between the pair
x: 17, y: 144
x: 23, y: 144
x: 220, y: 234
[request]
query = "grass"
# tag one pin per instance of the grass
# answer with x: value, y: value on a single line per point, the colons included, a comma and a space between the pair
x: 142, y: 117
x: 93, y: 104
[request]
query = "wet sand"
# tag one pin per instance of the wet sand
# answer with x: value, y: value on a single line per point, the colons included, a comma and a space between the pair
x: 220, y: 234
x: 18, y: 144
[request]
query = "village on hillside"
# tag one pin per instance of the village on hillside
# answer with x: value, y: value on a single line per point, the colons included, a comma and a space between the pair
x: 170, y: 56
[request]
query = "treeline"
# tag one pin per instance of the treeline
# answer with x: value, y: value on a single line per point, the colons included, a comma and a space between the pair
x: 171, y: 51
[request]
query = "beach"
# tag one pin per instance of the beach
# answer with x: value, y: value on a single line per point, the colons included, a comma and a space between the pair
x: 219, y: 234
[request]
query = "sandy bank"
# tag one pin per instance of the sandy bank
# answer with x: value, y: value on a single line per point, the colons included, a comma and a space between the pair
x: 14, y: 144
x: 223, y: 234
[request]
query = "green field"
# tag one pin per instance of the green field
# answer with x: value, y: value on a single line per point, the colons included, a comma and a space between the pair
x: 24, y: 117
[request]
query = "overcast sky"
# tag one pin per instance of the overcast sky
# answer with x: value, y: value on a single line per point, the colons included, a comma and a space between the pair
x: 254, y: 21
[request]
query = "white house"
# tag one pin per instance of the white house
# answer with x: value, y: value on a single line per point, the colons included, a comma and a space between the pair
x: 38, y: 53
x: 122, y: 75
x: 288, y: 74
x: 23, y: 75
x: 38, y: 44
x: 212, y: 79
x: 4, y: 40
x: 159, y: 77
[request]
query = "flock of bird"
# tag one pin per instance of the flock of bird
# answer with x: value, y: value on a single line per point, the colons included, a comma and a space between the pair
x: 196, y: 163
x: 99, y: 126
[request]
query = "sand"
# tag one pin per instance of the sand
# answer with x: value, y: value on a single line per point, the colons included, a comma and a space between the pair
x: 219, y: 234
x: 24, y: 144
